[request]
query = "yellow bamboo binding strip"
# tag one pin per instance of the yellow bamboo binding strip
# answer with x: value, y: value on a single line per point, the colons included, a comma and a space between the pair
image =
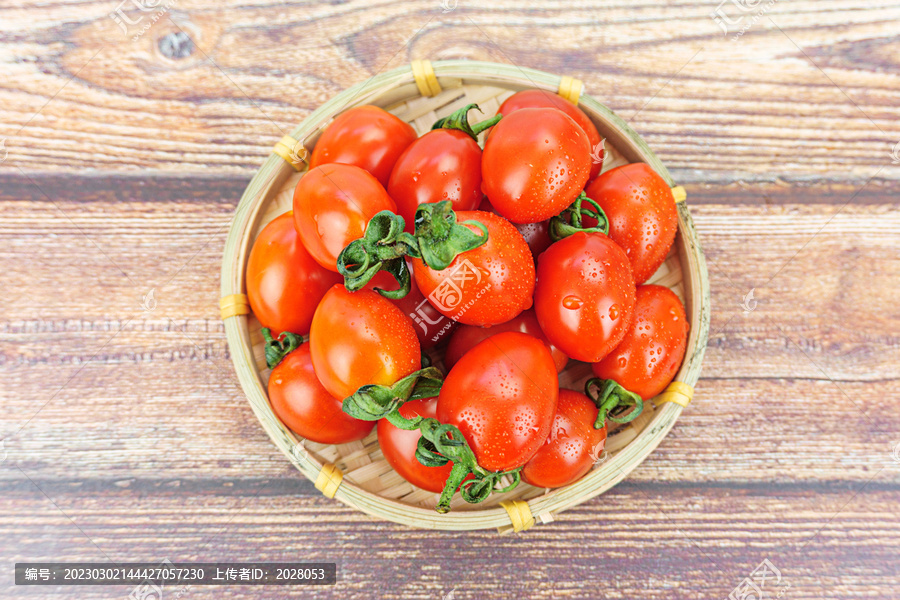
x: 570, y: 89
x: 425, y: 78
x: 677, y: 392
x: 679, y: 193
x: 291, y: 151
x: 329, y: 480
x: 519, y: 514
x: 234, y: 305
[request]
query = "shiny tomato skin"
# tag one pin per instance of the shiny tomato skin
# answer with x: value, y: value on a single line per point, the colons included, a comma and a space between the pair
x: 572, y: 447
x: 535, y: 163
x: 361, y: 338
x: 642, y: 215
x: 284, y: 283
x: 502, y: 396
x: 537, y: 235
x: 431, y: 326
x: 501, y: 289
x: 443, y: 164
x: 545, y: 99
x: 332, y: 206
x: 467, y: 337
x: 651, y: 353
x: 366, y: 136
x: 584, y: 298
x: 300, y: 401
x: 399, y: 448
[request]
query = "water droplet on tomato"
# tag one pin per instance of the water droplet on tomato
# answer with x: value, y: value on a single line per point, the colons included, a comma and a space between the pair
x: 614, y: 312
x: 572, y: 302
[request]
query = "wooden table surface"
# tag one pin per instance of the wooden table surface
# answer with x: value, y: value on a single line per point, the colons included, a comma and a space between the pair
x: 126, y: 436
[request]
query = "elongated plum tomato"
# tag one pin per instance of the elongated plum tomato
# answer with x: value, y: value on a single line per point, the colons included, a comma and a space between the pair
x: 584, y: 298
x: 366, y: 136
x: 332, y: 206
x: 488, y: 285
x: 545, y: 99
x: 650, y: 354
x: 284, y: 283
x: 467, y: 337
x: 641, y: 212
x: 361, y: 338
x: 535, y: 163
x: 399, y: 448
x: 306, y: 407
x: 443, y: 164
x: 431, y: 326
x: 572, y: 447
x: 502, y: 396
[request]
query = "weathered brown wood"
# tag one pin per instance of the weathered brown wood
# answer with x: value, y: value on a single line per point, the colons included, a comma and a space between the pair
x: 635, y: 542
x: 766, y: 408
x: 770, y: 147
x: 758, y: 108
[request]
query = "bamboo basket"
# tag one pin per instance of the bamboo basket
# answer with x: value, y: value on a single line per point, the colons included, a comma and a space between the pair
x: 356, y: 473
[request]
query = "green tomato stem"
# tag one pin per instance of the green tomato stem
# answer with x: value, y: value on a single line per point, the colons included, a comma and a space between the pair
x: 277, y: 349
x: 612, y: 400
x: 459, y: 120
x: 569, y: 221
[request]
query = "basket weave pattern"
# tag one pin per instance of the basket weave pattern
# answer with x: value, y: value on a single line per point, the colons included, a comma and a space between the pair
x: 369, y: 483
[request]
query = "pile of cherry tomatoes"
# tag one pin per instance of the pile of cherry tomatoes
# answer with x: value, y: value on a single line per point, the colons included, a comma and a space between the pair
x: 405, y: 253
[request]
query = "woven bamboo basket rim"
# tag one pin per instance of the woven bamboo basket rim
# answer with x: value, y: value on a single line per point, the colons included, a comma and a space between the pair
x: 389, y: 89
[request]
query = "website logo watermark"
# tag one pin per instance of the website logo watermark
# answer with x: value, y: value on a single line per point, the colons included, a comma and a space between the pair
x: 761, y: 583
x: 458, y: 291
x: 749, y: 302
x: 134, y: 25
x: 739, y: 16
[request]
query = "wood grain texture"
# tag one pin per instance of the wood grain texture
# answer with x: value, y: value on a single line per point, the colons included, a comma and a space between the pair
x: 126, y: 436
x: 807, y: 92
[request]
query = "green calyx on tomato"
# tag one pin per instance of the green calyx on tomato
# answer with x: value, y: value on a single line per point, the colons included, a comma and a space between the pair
x: 441, y: 238
x: 441, y: 444
x: 613, y: 401
x: 277, y: 349
x: 460, y: 120
x: 373, y: 402
x: 382, y: 248
x: 571, y: 220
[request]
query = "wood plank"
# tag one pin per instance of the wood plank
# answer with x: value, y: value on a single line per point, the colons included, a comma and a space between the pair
x: 637, y: 542
x: 787, y: 392
x: 811, y: 96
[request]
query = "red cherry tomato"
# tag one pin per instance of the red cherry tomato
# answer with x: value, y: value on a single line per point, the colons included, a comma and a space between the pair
x: 488, y: 285
x: 366, y: 136
x: 360, y: 338
x: 399, y: 448
x: 537, y: 235
x: 467, y: 337
x: 502, y: 397
x: 431, y: 326
x: 300, y: 401
x: 332, y: 206
x: 641, y: 212
x: 284, y: 283
x: 443, y: 164
x: 545, y: 99
x: 572, y: 447
x: 651, y: 353
x: 584, y: 299
x: 535, y: 163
